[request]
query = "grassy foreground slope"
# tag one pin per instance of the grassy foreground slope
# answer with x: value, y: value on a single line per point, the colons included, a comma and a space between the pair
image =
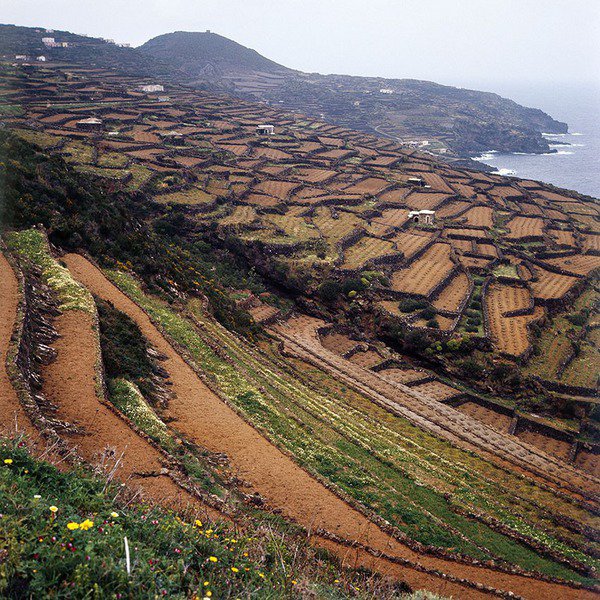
x: 64, y: 537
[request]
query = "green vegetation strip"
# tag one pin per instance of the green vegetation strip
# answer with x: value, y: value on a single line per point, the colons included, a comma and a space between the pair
x: 32, y: 245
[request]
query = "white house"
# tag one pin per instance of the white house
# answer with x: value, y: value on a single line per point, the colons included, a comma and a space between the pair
x: 90, y: 124
x: 151, y: 88
x: 265, y: 129
x: 21, y: 57
x: 48, y: 41
x: 41, y: 59
x: 386, y: 91
x: 422, y: 216
x: 415, y: 181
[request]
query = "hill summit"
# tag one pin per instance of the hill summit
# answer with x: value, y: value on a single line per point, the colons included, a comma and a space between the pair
x: 199, y: 51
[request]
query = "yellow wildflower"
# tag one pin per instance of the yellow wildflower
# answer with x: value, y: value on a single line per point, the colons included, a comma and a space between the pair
x: 114, y: 514
x: 53, y: 509
x: 198, y: 523
x: 72, y: 526
x: 213, y: 558
x: 8, y: 461
x: 87, y: 524
x: 235, y: 569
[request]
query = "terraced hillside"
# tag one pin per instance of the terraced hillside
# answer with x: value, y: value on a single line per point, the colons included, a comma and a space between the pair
x: 222, y: 320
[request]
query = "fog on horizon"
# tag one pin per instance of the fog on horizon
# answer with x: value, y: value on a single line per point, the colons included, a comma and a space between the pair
x: 489, y: 44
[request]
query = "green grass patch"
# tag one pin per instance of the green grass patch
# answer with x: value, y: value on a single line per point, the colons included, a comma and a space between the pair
x: 32, y: 246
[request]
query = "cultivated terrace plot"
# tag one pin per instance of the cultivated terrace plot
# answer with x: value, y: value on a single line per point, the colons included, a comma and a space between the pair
x: 509, y: 331
x: 425, y: 273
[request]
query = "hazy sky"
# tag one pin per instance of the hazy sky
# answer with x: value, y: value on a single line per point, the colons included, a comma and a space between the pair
x: 464, y: 42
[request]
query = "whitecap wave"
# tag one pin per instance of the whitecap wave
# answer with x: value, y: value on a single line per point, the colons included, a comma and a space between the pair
x: 488, y: 155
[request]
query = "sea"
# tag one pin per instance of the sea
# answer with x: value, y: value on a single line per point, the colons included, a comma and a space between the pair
x: 575, y: 162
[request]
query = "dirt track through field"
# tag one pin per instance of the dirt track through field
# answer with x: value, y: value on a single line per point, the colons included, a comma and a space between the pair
x: 70, y: 384
x: 205, y: 419
x: 12, y: 414
x: 300, y: 338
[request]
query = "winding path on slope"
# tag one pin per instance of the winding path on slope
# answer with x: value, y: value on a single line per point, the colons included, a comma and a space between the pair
x: 13, y: 417
x: 204, y: 418
x: 102, y: 437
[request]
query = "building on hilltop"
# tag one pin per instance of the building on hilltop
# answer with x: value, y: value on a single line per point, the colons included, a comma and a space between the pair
x: 265, y: 129
x: 426, y: 217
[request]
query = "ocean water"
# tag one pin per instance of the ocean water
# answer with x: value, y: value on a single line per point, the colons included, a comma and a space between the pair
x: 575, y: 166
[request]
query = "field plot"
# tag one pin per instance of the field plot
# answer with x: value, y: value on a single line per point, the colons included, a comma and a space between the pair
x: 370, y: 185
x: 509, y: 334
x: 563, y: 237
x: 194, y: 196
x: 367, y: 359
x: 580, y: 264
x: 591, y: 243
x: 241, y: 215
x: 295, y: 227
x: 453, y: 294
x: 335, y: 229
x: 277, y: 189
x: 422, y: 276
x: 404, y: 376
x: 410, y: 243
x: 584, y: 369
x: 436, y: 389
x: 525, y: 227
x: 392, y: 217
x: 394, y: 196
x: 424, y: 200
x: 547, y: 444
x: 338, y: 343
x: 492, y: 418
x: 480, y: 216
x: 452, y: 209
x: 551, y: 286
x: 486, y: 249
x: 367, y: 248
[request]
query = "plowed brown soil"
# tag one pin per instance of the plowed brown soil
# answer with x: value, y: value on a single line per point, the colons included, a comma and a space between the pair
x: 204, y: 418
x: 70, y: 383
x: 13, y: 417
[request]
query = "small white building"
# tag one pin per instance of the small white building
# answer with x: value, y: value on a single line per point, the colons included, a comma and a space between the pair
x: 90, y: 124
x: 416, y: 181
x: 124, y: 45
x: 41, y: 59
x: 422, y: 216
x: 151, y: 88
x: 49, y: 31
x: 386, y: 91
x: 265, y: 129
x: 48, y: 41
x: 21, y: 57
x: 64, y: 44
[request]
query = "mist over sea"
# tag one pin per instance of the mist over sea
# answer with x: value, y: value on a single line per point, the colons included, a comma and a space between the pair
x: 575, y: 167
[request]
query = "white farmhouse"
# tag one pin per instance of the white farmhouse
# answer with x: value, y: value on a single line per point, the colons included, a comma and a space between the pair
x: 151, y: 88
x: 265, y: 129
x: 41, y: 59
x: 422, y: 216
